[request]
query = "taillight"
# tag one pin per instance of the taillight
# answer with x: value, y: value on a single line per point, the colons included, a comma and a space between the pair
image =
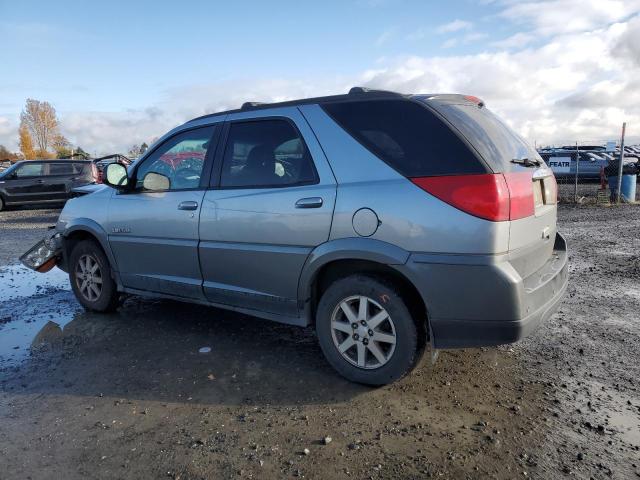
x: 520, y: 194
x: 496, y: 197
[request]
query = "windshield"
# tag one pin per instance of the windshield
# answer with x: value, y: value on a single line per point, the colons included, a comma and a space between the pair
x: 9, y: 170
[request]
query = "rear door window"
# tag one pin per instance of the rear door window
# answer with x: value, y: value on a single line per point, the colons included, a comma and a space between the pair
x: 407, y: 136
x: 266, y: 153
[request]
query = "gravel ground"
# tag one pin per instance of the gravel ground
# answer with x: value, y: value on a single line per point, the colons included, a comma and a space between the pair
x: 19, y: 229
x: 128, y: 395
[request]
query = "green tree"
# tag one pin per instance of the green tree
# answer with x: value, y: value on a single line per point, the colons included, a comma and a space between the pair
x: 81, y: 153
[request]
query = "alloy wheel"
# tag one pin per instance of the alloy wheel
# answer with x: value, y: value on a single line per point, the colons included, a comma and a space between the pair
x: 89, y: 277
x: 363, y: 332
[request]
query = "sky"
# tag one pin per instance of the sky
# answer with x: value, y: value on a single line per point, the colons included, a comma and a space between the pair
x: 124, y: 72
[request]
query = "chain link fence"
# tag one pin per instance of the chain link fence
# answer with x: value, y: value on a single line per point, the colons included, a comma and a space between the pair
x: 584, y: 171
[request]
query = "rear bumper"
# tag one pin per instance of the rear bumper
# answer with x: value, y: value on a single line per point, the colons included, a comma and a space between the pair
x: 482, y: 300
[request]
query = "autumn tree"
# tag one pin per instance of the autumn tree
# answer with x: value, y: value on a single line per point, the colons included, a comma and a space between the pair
x: 62, y: 146
x: 26, y: 143
x: 40, y: 121
x: 6, y: 154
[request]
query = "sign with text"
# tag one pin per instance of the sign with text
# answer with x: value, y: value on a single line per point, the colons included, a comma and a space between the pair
x: 560, y: 164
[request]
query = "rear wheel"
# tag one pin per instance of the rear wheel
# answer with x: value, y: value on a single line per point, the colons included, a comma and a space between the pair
x: 90, y: 276
x: 366, y: 331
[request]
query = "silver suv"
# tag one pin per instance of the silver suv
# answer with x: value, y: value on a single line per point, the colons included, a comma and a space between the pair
x: 386, y: 221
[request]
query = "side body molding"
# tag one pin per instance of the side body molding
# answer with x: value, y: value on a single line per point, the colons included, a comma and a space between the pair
x: 352, y: 248
x: 90, y: 226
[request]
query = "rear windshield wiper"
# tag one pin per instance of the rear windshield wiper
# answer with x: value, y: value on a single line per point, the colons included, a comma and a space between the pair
x: 526, y: 162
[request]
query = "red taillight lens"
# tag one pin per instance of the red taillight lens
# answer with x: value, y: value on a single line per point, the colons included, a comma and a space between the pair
x: 520, y: 194
x: 496, y: 197
x: 474, y: 99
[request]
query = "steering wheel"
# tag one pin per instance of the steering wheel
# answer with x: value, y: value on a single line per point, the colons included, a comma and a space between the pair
x: 187, y: 178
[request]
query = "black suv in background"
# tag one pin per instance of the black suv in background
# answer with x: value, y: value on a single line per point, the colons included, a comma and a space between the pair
x: 44, y: 181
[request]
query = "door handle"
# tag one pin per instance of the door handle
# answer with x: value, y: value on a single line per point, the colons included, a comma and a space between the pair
x: 40, y: 181
x: 311, y: 202
x: 188, y: 205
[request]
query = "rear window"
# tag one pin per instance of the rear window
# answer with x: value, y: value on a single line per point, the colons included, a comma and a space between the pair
x: 407, y: 136
x: 493, y: 139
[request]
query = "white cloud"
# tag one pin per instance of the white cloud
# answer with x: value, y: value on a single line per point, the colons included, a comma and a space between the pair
x: 573, y: 87
x: 554, y: 17
x: 8, y: 133
x: 628, y: 47
x: 454, y: 26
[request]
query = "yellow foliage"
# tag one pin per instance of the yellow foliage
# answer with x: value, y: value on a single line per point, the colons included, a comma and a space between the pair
x: 26, y: 143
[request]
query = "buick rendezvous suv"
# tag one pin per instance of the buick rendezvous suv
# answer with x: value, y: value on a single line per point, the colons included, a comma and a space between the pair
x: 386, y: 221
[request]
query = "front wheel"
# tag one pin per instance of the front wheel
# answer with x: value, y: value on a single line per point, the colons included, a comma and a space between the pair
x: 366, y: 331
x: 90, y: 276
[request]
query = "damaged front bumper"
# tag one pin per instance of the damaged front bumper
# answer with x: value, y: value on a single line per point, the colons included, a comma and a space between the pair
x: 45, y: 254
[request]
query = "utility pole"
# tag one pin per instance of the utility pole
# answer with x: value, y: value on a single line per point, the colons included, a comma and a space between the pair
x: 619, y: 194
x: 575, y: 191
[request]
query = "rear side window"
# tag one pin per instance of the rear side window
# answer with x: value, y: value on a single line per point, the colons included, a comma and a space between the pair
x: 82, y: 168
x: 407, y: 136
x: 492, y: 138
x: 266, y: 153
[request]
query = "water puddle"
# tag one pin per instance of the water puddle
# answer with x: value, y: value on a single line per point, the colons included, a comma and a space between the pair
x: 34, y: 309
x: 18, y: 281
x: 627, y: 424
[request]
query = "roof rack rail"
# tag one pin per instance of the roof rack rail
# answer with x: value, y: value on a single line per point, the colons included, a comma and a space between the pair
x: 246, y: 105
x: 362, y: 90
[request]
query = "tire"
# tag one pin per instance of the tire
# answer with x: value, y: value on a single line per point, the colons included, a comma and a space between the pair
x: 335, y: 329
x: 1, y: 204
x: 88, y: 262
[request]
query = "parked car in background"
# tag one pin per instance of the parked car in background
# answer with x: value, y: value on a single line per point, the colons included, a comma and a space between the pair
x: 386, y: 221
x: 563, y: 162
x: 4, y: 164
x: 43, y: 181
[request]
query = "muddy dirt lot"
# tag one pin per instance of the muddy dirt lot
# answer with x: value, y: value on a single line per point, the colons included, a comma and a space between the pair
x: 128, y: 395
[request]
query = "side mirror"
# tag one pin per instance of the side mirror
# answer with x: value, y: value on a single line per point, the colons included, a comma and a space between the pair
x: 153, y: 181
x: 115, y: 175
